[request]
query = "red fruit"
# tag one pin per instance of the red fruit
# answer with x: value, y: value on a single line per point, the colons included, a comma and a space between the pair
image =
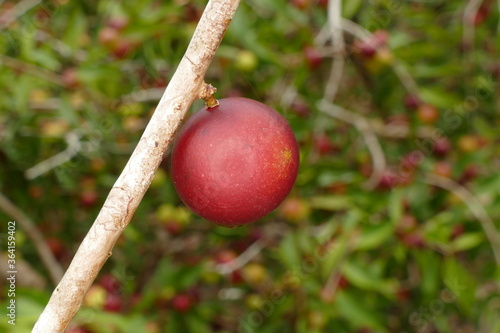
x: 323, y: 3
x: 427, y: 114
x: 412, y: 101
x: 407, y: 224
x: 294, y: 209
x: 118, y: 22
x: 70, y: 78
x: 443, y: 169
x: 56, y: 247
x: 470, y: 173
x: 225, y: 256
x: 324, y: 145
x: 182, y: 302
x: 380, y: 38
x: 300, y: 108
x: 110, y: 283
x: 313, y: 57
x: 457, y: 231
x: 413, y: 240
x: 88, y: 198
x: 174, y: 227
x: 301, y: 4
x: 388, y: 180
x: 123, y: 48
x: 442, y: 147
x: 236, y: 277
x: 343, y: 283
x: 367, y: 50
x: 235, y: 163
x: 403, y: 294
x: 113, y: 303
x: 108, y: 37
x: 369, y: 47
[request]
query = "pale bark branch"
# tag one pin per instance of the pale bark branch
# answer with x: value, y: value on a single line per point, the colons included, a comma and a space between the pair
x: 474, y: 205
x: 19, y: 10
x: 335, y: 27
x: 49, y: 261
x: 123, y: 199
x: 371, y: 140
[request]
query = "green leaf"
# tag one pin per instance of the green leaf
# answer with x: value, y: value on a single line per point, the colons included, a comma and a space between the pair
x: 331, y: 203
x: 468, y: 241
x: 289, y: 252
x: 429, y: 265
x: 365, y: 278
x: 373, y: 237
x: 356, y: 313
x: 395, y: 206
x: 460, y: 282
x: 350, y: 8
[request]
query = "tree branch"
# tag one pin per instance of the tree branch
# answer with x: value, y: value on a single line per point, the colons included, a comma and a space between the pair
x: 399, y: 69
x: 31, y: 69
x: 19, y: 10
x: 126, y: 194
x: 55, y: 270
x: 335, y: 27
x: 371, y: 140
x: 475, y: 206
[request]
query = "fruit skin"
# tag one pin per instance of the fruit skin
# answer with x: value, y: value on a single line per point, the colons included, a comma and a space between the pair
x: 182, y: 302
x: 427, y: 114
x: 235, y: 163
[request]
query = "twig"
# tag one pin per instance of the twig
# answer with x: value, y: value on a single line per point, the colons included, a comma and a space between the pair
x: 30, y: 277
x: 145, y: 95
x: 18, y: 11
x: 55, y: 270
x: 399, y: 69
x: 401, y: 131
x: 74, y: 146
x: 335, y: 27
x: 332, y: 283
x: 31, y: 69
x: 60, y: 47
x: 475, y: 206
x: 371, y: 140
x: 470, y: 13
x: 243, y: 258
x: 137, y: 175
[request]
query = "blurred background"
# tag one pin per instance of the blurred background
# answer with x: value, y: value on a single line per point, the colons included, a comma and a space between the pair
x: 392, y: 225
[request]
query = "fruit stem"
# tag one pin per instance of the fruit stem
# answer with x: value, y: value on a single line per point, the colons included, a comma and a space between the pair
x: 207, y: 92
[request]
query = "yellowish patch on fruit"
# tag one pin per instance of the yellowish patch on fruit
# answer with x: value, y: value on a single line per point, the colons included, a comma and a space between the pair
x: 287, y: 155
x: 283, y: 160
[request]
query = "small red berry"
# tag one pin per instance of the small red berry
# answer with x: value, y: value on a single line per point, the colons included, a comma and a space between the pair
x: 113, y: 303
x: 182, y: 302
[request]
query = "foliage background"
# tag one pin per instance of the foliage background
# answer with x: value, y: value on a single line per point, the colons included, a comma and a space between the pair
x: 337, y: 256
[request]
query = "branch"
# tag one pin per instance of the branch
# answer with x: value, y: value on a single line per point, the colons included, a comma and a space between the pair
x: 335, y: 27
x: 19, y: 10
x: 137, y: 175
x: 243, y: 258
x: 55, y: 270
x: 31, y: 69
x: 468, y: 18
x: 475, y: 206
x: 371, y: 140
x: 74, y: 146
x: 399, y: 69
